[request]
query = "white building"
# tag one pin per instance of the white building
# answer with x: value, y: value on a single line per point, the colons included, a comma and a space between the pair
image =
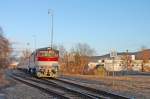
x: 136, y: 65
x: 92, y: 65
x: 114, y: 65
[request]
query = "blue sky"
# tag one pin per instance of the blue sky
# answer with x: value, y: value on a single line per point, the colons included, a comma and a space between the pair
x: 103, y: 24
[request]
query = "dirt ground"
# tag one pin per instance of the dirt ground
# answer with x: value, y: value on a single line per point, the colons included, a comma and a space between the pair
x: 11, y: 89
x: 3, y: 81
x: 3, y: 84
x: 137, y: 87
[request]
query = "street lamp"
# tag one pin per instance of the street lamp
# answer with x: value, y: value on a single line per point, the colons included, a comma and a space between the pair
x: 34, y: 38
x: 50, y: 12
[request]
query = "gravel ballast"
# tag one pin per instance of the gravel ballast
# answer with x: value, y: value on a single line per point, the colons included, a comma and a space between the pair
x: 17, y: 90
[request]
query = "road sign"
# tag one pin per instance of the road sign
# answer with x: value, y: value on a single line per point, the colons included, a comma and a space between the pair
x: 113, y: 54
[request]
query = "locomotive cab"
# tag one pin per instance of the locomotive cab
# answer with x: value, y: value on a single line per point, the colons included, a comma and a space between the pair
x: 44, y: 63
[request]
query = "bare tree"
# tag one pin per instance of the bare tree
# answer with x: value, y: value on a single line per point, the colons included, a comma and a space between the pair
x: 74, y: 61
x: 5, y: 50
x: 26, y: 53
x: 80, y: 57
x: 145, y: 56
x: 1, y: 31
x: 63, y: 58
x: 83, y: 49
x: 62, y: 51
x: 143, y: 47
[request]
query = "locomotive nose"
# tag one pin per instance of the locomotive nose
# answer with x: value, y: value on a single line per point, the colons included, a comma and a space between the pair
x: 53, y: 71
x: 48, y: 73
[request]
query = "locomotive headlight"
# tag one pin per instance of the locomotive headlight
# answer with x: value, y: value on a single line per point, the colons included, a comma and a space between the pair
x: 55, y: 64
x: 53, y: 71
x: 40, y: 68
x: 55, y: 68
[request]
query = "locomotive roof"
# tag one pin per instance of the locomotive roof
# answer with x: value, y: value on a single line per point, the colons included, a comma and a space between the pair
x: 46, y: 48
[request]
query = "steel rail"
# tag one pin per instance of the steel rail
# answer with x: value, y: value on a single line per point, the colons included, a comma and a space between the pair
x: 48, y: 91
x: 100, y: 92
x: 77, y: 93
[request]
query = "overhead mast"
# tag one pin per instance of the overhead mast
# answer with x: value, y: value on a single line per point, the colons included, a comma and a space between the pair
x: 50, y: 12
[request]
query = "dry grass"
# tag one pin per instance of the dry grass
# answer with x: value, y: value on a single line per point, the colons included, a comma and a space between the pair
x: 137, y: 86
x: 147, y: 68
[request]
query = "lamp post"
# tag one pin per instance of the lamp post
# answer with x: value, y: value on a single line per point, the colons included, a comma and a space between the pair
x: 28, y: 54
x: 34, y: 38
x: 50, y: 12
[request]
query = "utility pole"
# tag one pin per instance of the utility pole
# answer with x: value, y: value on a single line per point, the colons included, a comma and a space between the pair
x: 127, y: 60
x: 113, y: 54
x: 50, y: 12
x: 28, y: 56
x: 34, y: 37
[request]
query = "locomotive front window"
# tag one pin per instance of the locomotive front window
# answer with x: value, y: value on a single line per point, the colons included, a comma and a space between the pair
x: 47, y: 54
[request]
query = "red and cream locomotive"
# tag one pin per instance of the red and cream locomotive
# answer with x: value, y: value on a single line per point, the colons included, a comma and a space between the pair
x: 43, y: 62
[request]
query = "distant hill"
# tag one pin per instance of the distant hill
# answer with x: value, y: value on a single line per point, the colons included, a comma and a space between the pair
x: 137, y: 55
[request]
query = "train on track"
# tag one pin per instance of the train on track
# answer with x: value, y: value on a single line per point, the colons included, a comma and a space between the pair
x: 43, y: 62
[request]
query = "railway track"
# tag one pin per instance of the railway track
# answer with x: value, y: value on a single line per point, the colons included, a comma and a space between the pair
x: 135, y: 84
x: 94, y: 92
x: 99, y: 82
x: 55, y: 94
x: 58, y: 91
x: 66, y: 90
